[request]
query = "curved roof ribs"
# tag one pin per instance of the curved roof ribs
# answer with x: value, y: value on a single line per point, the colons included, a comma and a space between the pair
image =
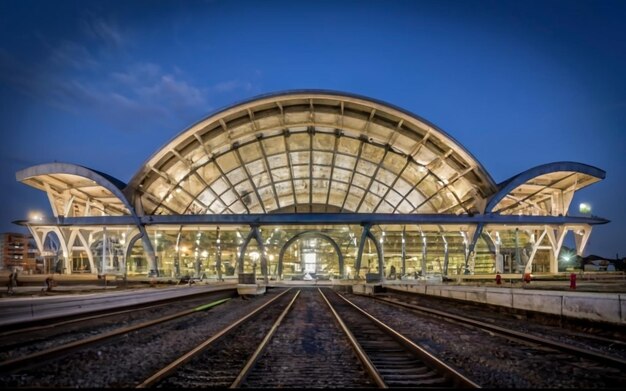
x: 77, y: 190
x: 546, y: 189
x: 370, y: 123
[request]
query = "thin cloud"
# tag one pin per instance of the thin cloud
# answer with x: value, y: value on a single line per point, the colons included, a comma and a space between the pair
x: 104, y: 31
x: 71, y: 54
x: 232, y: 85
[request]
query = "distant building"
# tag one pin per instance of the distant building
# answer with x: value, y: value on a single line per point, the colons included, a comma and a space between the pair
x: 598, y: 264
x: 18, y: 252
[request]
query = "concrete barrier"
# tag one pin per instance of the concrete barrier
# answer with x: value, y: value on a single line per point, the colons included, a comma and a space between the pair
x: 592, y: 306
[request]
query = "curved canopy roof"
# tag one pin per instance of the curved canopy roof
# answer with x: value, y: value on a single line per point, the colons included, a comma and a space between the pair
x: 77, y: 191
x: 312, y: 151
x: 543, y: 190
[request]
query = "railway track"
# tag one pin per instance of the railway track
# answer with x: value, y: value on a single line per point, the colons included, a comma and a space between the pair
x: 392, y: 359
x: 258, y: 351
x: 502, y: 330
x: 53, y: 353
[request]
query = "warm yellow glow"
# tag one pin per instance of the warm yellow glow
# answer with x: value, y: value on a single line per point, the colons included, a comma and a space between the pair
x: 35, y: 216
x: 584, y: 208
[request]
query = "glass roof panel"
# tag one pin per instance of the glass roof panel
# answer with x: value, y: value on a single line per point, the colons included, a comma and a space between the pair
x: 217, y: 207
x: 414, y: 173
x: 208, y: 172
x: 385, y: 176
x: 279, y: 160
x: 353, y: 200
x: 274, y: 145
x: 394, y: 162
x: 402, y: 186
x: 361, y: 181
x: 301, y: 171
x: 228, y: 162
x: 206, y: 197
x: 262, y: 179
x: 372, y: 153
x: 323, y: 158
x: 281, y: 174
x: 197, y: 156
x: 443, y: 171
x: 342, y: 175
x: 160, y: 188
x: 384, y: 207
x: 405, y: 207
x: 393, y: 198
x: 237, y: 176
x: 461, y: 187
x: 299, y: 157
x: 366, y: 168
x: 323, y: 141
x: 321, y: 172
x: 238, y: 207
x: 369, y: 203
x: 192, y: 185
x: 283, y: 188
x: 344, y: 161
x: 378, y: 188
x: 299, y: 141
x: 256, y: 167
x: 348, y: 146
x: 424, y: 156
x: 229, y: 197
x: 320, y: 189
x: 250, y: 152
x: 415, y: 198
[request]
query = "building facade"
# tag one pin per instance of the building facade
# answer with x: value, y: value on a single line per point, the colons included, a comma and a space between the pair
x: 17, y: 252
x: 317, y: 183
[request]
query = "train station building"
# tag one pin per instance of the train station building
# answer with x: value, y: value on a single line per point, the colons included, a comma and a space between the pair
x: 310, y: 184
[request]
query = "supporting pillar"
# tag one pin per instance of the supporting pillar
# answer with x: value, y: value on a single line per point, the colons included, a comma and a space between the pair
x: 475, y: 232
x: 364, y: 236
x: 529, y: 266
x: 556, y: 238
x: 582, y: 240
x: 218, y: 256
x: 423, y: 263
x: 104, y: 250
x: 445, y: 255
x: 518, y: 256
x: 149, y: 250
x: 177, y: 253
x: 499, y: 258
x: 403, y: 271
x: 256, y: 234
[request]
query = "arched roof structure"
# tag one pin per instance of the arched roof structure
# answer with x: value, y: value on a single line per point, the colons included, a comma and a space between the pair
x: 75, y: 190
x: 539, y: 190
x: 312, y: 151
x: 304, y: 158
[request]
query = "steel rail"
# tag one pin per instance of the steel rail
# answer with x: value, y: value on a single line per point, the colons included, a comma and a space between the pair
x: 458, y: 379
x: 367, y: 363
x: 514, y: 334
x: 73, y: 320
x: 41, y: 356
x: 261, y: 348
x: 167, y: 370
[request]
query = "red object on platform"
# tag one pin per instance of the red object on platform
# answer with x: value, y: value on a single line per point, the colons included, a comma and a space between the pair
x: 498, y: 279
x: 572, y: 281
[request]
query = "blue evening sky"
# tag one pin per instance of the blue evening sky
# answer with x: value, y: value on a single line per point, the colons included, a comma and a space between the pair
x: 104, y: 84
